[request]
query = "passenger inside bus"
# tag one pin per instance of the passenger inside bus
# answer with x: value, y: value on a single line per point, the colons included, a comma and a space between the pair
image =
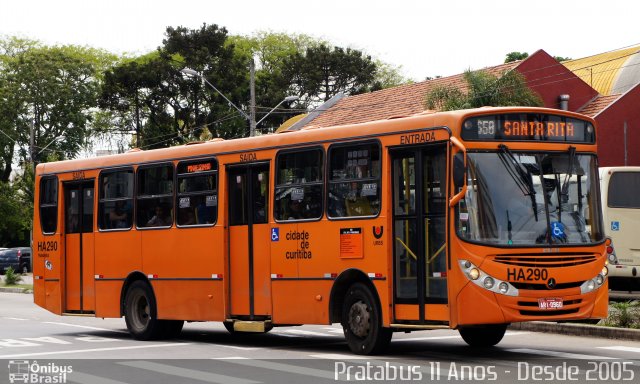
x: 119, y: 215
x: 162, y: 218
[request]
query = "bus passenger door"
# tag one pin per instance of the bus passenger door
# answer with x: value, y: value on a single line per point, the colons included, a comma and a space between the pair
x: 419, y: 233
x: 249, y: 241
x: 79, y: 248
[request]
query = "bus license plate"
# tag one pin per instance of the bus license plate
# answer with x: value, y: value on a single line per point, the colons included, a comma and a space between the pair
x: 552, y: 303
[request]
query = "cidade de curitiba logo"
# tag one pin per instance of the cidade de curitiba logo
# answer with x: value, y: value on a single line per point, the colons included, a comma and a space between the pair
x: 24, y: 371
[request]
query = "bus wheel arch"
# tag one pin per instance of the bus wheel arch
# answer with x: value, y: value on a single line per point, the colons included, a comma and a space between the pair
x: 339, y: 291
x: 356, y: 304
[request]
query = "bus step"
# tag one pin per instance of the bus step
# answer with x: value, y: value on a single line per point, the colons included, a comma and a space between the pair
x: 78, y: 314
x: 251, y: 326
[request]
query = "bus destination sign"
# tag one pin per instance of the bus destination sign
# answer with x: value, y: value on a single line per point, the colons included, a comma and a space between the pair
x: 528, y: 127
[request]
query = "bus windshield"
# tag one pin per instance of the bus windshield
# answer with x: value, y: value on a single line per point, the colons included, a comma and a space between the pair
x: 530, y: 199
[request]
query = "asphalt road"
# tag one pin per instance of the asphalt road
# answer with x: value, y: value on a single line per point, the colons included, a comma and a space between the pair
x: 97, y: 351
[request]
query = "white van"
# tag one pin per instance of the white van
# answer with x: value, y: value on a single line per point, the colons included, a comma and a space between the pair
x: 620, y: 187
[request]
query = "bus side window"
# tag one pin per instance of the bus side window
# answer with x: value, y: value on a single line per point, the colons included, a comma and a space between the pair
x: 115, y: 203
x: 154, y: 203
x: 299, y: 185
x: 197, y: 197
x: 48, y: 204
x: 354, y: 180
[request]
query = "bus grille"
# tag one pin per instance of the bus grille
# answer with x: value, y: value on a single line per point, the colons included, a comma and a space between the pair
x: 545, y: 261
x: 544, y: 287
x: 559, y: 312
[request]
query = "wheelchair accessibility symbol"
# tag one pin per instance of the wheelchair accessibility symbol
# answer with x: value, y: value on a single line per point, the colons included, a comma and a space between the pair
x: 275, y: 234
x: 615, y: 225
x: 557, y: 229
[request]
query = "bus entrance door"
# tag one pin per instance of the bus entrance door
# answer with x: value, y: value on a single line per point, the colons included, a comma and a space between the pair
x: 419, y: 230
x: 79, y: 294
x: 249, y: 241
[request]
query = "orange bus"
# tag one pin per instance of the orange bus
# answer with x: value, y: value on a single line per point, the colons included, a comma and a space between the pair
x: 468, y: 220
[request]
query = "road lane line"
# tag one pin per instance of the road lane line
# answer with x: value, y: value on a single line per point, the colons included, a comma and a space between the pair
x: 337, y: 356
x: 84, y: 326
x: 83, y: 378
x: 91, y: 350
x: 288, y: 368
x: 450, y: 337
x: 15, y: 318
x: 564, y: 355
x: 240, y: 348
x: 622, y: 348
x: 182, y: 373
x: 303, y: 333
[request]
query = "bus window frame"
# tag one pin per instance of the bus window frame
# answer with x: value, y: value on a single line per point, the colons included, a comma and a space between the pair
x: 609, y: 184
x: 324, y: 184
x: 137, y: 189
x: 176, y: 187
x: 332, y: 147
x: 57, y: 204
x: 133, y: 198
x: 455, y: 212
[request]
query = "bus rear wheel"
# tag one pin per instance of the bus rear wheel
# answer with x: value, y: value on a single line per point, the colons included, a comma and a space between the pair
x: 483, y: 336
x: 362, y: 322
x: 140, y: 313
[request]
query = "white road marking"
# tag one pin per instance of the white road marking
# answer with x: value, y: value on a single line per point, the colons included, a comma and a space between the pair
x: 230, y: 358
x: 622, y: 348
x: 450, y: 337
x: 15, y: 318
x: 564, y: 355
x: 303, y: 333
x: 91, y: 350
x: 288, y: 368
x: 187, y: 373
x: 80, y: 377
x: 84, y: 326
x: 240, y: 348
x: 337, y: 356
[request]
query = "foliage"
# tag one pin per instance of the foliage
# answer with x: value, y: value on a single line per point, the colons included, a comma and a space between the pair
x: 53, y: 90
x: 322, y: 72
x: 483, y: 89
x: 16, y: 213
x: 11, y: 277
x: 625, y: 314
x: 515, y: 56
x: 561, y: 58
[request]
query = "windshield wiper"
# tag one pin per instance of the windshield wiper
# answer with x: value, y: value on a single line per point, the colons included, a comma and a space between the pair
x: 565, y: 184
x: 545, y: 197
x: 522, y: 177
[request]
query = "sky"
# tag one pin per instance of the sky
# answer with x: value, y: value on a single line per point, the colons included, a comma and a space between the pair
x: 423, y: 38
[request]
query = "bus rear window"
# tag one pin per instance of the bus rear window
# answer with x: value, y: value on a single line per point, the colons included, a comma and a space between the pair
x: 354, y: 180
x: 623, y: 190
x: 48, y: 204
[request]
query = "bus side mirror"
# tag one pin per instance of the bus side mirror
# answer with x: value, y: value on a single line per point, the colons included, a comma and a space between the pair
x: 459, y: 171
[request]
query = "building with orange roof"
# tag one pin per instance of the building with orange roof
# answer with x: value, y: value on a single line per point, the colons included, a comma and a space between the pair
x: 560, y: 85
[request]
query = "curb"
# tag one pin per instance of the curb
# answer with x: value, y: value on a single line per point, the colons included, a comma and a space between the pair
x: 15, y: 290
x: 578, y: 330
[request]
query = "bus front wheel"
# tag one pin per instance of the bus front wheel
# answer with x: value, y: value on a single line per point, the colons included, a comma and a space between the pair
x: 362, y: 322
x: 483, y: 336
x: 140, y: 313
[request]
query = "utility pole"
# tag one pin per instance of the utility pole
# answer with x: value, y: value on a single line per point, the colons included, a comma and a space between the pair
x: 252, y: 100
x: 32, y: 140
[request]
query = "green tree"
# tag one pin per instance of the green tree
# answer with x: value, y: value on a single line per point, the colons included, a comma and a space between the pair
x: 16, y: 213
x: 321, y: 72
x: 53, y: 90
x: 484, y: 89
x: 515, y: 56
x: 561, y: 58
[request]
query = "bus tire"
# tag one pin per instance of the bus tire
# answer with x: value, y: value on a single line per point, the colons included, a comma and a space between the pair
x: 362, y: 322
x: 483, y: 336
x: 140, y: 313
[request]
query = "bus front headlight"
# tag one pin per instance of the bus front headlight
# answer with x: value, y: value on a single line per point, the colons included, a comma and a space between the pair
x: 484, y: 280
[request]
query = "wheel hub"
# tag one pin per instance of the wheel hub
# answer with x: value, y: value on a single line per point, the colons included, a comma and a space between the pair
x: 359, y: 319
